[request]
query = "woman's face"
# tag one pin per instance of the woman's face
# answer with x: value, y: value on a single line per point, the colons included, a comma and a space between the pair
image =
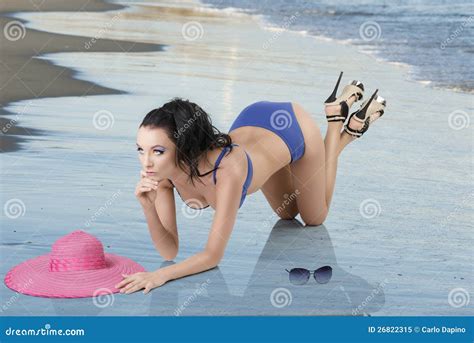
x: 156, y: 153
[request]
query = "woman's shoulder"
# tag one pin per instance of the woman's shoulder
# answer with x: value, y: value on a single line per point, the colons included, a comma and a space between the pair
x: 233, y: 165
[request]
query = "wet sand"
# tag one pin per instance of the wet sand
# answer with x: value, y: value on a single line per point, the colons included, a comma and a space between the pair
x: 399, y: 234
x: 26, y: 77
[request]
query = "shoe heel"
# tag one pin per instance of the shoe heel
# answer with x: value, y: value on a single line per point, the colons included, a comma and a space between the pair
x: 333, y: 97
x: 360, y: 114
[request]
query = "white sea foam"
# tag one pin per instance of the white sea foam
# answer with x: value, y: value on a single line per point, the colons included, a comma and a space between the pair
x: 266, y: 23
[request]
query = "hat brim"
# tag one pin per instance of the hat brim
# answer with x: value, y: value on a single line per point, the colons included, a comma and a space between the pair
x: 33, y: 277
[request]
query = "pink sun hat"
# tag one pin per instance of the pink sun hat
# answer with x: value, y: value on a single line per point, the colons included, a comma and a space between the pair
x: 76, y: 267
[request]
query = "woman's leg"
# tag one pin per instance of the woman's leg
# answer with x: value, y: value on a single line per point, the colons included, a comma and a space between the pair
x: 280, y: 193
x: 314, y: 175
x: 334, y: 144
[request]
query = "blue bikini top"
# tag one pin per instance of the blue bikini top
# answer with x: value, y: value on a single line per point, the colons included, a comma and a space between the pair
x: 247, y: 182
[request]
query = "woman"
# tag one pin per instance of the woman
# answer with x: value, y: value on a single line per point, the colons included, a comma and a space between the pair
x: 275, y: 147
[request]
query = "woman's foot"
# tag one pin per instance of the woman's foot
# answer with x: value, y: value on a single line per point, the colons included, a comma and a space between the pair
x: 359, y: 121
x: 359, y: 126
x: 337, y: 107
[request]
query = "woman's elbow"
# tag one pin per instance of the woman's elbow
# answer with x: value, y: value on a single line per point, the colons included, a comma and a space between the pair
x: 213, y: 259
x: 169, y: 256
x: 168, y: 253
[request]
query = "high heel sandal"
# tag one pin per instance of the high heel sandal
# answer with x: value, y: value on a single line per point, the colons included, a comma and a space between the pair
x: 364, y: 114
x: 354, y: 88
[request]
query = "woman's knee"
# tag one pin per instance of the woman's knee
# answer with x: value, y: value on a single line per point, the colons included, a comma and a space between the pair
x: 313, y: 218
x: 285, y: 210
x: 287, y: 217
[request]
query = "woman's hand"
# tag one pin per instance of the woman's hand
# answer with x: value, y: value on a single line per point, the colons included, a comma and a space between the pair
x: 134, y: 282
x: 146, y: 190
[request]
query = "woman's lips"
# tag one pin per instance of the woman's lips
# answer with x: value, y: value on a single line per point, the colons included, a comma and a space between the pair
x: 150, y: 173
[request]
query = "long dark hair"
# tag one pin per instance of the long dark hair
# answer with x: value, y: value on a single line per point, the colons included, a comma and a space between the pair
x: 190, y: 128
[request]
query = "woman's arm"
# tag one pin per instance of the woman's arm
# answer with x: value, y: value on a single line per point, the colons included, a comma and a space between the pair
x: 228, y: 193
x: 229, y: 185
x: 161, y: 220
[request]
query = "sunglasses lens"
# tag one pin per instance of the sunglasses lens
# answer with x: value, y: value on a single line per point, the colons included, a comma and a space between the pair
x: 323, y: 274
x: 299, y: 276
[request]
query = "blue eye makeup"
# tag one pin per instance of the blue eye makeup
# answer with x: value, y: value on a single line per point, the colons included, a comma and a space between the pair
x: 157, y: 151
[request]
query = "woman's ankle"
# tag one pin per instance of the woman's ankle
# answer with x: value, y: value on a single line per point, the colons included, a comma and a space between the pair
x: 344, y: 140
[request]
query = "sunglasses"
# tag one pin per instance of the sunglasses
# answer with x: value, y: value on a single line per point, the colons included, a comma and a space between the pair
x: 300, y: 276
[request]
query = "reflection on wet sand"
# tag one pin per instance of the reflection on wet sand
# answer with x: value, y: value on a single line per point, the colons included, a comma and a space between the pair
x: 269, y: 291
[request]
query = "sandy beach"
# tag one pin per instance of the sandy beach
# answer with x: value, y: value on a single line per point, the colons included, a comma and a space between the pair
x: 25, y: 76
x: 400, y: 228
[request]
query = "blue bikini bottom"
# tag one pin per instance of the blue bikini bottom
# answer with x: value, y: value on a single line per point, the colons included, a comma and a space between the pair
x: 277, y: 117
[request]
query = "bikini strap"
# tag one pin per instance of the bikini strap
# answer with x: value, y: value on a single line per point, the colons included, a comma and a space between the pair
x: 219, y: 158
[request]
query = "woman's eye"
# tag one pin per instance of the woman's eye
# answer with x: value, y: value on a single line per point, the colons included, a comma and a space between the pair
x: 156, y: 151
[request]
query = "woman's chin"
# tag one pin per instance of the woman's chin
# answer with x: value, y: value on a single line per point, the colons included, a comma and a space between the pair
x: 154, y: 177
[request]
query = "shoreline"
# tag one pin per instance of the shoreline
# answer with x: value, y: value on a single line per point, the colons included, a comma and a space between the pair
x: 266, y: 23
x: 400, y: 204
x: 22, y: 58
